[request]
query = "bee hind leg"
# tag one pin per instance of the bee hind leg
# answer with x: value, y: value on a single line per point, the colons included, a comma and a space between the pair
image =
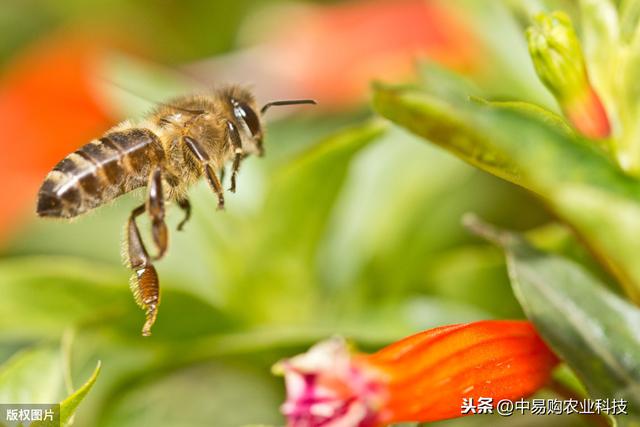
x: 186, y: 207
x: 222, y: 174
x: 144, y: 282
x: 156, y: 209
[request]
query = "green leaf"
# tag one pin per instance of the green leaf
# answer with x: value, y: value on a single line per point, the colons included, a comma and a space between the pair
x: 293, y: 220
x: 543, y: 158
x: 512, y: 143
x: 32, y: 375
x: 441, y: 124
x: 623, y: 89
x: 629, y: 16
x: 69, y: 406
x: 224, y: 394
x: 610, y: 222
x: 42, y: 296
x: 401, y: 206
x: 302, y: 194
x: 601, y: 36
x: 474, y: 275
x: 528, y: 108
x: 35, y: 376
x: 591, y: 328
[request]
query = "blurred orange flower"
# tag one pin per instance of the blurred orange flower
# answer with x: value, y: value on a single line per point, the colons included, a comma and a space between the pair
x: 587, y: 113
x: 336, y: 51
x: 332, y: 52
x: 422, y: 378
x: 48, y: 109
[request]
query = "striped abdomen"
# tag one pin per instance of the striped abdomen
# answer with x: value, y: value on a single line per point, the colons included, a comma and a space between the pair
x: 99, y: 172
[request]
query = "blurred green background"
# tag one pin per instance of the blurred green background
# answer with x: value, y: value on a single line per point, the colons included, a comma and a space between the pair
x: 348, y: 226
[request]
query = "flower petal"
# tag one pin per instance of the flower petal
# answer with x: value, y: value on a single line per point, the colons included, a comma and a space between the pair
x: 429, y: 374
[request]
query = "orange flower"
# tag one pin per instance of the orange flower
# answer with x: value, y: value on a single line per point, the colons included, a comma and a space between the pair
x: 49, y: 108
x: 333, y: 52
x: 422, y: 378
x: 587, y: 113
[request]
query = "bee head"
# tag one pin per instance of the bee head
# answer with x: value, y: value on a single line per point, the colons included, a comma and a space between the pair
x: 248, y: 118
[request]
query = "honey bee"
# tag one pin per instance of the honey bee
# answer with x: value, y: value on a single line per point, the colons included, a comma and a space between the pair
x: 168, y: 151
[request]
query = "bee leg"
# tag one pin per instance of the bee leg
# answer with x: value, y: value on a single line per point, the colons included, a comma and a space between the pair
x: 155, y: 208
x: 260, y: 147
x: 204, y: 159
x: 234, y: 137
x: 222, y: 174
x: 144, y: 283
x: 214, y: 183
x: 186, y: 207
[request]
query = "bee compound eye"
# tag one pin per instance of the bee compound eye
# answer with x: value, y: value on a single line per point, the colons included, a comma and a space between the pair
x: 246, y: 114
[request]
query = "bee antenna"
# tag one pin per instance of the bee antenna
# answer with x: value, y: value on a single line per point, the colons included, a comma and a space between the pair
x: 288, y: 102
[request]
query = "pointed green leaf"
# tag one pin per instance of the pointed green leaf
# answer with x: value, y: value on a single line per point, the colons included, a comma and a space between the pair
x: 35, y: 375
x: 592, y: 329
x: 69, y: 406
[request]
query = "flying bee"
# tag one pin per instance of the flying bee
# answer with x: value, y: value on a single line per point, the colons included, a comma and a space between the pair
x: 168, y: 151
